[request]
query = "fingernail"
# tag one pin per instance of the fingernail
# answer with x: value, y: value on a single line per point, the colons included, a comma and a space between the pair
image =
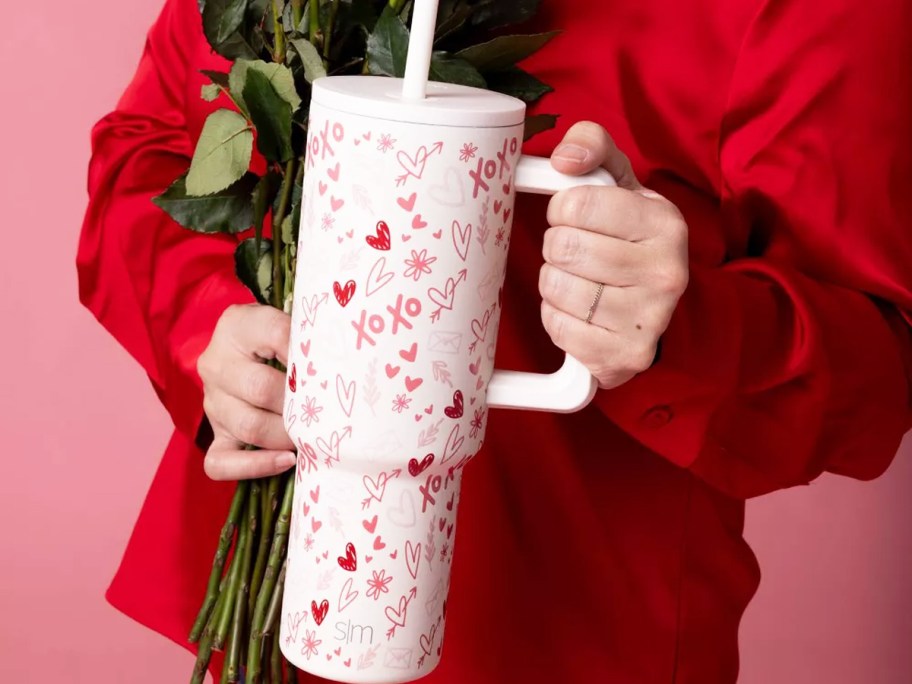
x: 571, y: 153
x: 285, y: 461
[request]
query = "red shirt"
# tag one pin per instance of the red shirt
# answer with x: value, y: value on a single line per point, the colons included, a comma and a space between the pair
x: 604, y: 546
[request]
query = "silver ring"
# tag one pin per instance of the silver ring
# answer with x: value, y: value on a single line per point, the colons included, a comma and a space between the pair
x: 595, y: 302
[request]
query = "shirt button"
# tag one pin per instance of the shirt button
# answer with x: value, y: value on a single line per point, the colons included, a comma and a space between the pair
x: 657, y: 417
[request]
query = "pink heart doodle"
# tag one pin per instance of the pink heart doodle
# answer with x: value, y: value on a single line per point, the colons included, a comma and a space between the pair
x: 377, y: 279
x: 480, y: 327
x: 444, y: 299
x: 334, y: 172
x: 294, y: 622
x: 462, y: 238
x: 410, y: 354
x: 453, y: 445
x: 411, y: 384
x: 375, y: 488
x: 427, y: 641
x: 418, y: 223
x: 451, y: 193
x: 413, y: 558
x: 413, y: 166
x: 336, y: 204
x: 346, y: 395
x: 397, y: 617
x: 392, y: 371
x: 404, y: 515
x: 408, y: 204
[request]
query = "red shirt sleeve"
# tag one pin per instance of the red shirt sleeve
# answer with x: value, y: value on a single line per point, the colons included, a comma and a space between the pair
x: 796, y: 358
x: 157, y: 287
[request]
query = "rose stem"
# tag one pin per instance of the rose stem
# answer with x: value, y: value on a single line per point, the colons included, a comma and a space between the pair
x: 273, y: 565
x: 218, y: 564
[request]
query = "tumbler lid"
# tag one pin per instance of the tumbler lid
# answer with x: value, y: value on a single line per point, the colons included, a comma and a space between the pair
x: 446, y: 104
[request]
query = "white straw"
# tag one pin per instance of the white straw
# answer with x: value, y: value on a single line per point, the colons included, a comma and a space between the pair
x: 421, y: 46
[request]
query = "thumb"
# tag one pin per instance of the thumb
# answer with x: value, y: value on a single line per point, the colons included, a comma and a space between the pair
x: 588, y: 146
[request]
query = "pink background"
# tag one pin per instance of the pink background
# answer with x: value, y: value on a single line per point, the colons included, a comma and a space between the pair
x: 82, y: 429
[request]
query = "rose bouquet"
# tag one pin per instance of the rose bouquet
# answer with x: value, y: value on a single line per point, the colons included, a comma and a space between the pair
x: 277, y: 49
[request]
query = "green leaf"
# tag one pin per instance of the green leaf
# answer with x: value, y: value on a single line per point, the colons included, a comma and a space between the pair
x: 221, y: 19
x: 250, y: 260
x: 263, y: 196
x: 518, y: 83
x: 295, y: 214
x: 219, y: 78
x: 310, y: 58
x: 504, y: 51
x: 450, y: 69
x: 227, y: 211
x: 245, y: 41
x: 387, y: 46
x: 222, y: 153
x: 210, y: 92
x: 539, y: 123
x: 288, y: 231
x: 451, y: 17
x: 496, y: 13
x: 271, y: 115
x: 279, y: 77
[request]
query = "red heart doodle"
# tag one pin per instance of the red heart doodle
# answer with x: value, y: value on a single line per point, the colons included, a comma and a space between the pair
x: 370, y: 525
x: 507, y: 214
x: 349, y: 561
x: 498, y: 205
x: 456, y: 410
x: 450, y: 502
x: 410, y: 354
x: 380, y: 241
x: 449, y: 530
x: 438, y: 234
x: 429, y: 410
x: 418, y: 222
x: 293, y: 379
x: 418, y: 417
x: 319, y: 611
x: 415, y: 468
x: 411, y: 384
x: 442, y: 523
x: 344, y: 294
x: 475, y: 367
x: 506, y: 188
x: 408, y: 204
